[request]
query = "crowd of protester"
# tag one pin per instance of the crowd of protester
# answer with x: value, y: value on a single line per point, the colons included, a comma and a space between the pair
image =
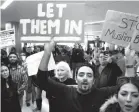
x: 81, y: 82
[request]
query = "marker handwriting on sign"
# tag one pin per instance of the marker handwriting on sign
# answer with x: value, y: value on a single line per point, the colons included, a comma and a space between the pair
x: 45, y: 27
x: 121, y: 29
x: 54, y: 23
x: 50, y: 10
x: 129, y: 23
x: 119, y: 36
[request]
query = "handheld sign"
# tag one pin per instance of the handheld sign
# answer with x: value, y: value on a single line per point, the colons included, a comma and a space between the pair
x: 60, y: 19
x: 34, y: 60
x: 7, y: 38
x: 121, y: 29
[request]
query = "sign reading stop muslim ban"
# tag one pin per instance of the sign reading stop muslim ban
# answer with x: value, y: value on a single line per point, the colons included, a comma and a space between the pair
x: 56, y: 19
x: 121, y: 29
x: 7, y: 38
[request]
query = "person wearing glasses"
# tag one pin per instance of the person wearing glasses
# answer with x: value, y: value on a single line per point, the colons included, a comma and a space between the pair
x: 126, y: 98
x: 107, y: 72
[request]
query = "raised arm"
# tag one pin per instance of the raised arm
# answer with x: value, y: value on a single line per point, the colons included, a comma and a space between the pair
x: 46, y: 56
x: 130, y: 62
x: 43, y: 80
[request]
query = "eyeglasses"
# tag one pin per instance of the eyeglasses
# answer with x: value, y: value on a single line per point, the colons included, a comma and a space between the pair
x: 124, y: 80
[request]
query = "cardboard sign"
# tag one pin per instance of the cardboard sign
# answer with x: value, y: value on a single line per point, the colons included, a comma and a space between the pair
x: 34, y: 60
x: 121, y: 29
x: 55, y: 19
x: 7, y: 38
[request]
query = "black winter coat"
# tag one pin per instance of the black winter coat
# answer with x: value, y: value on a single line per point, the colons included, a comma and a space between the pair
x: 9, y: 97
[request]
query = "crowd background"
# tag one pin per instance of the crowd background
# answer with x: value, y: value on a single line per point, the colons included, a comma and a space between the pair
x: 113, y: 59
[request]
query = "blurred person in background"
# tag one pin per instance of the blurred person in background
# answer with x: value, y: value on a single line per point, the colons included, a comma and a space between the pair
x: 121, y: 61
x: 9, y: 94
x: 29, y: 51
x: 4, y: 57
x: 18, y: 74
x: 107, y: 72
x: 30, y: 89
x: 62, y: 56
x: 77, y: 57
x: 13, y: 49
x: 36, y: 49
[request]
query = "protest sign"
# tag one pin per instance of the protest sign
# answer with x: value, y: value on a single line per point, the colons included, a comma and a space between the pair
x: 34, y: 60
x: 55, y: 19
x: 7, y: 38
x: 121, y: 29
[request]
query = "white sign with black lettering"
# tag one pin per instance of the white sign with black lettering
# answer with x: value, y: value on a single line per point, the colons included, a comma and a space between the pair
x: 7, y: 38
x: 121, y: 29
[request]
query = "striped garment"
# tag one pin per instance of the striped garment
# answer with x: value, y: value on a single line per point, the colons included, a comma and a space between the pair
x: 19, y: 76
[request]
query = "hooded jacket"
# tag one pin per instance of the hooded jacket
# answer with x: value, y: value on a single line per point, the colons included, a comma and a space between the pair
x: 111, y: 105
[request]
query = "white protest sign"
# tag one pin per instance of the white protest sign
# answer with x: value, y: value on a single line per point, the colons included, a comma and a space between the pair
x: 59, y: 19
x: 121, y: 29
x: 7, y: 38
x: 34, y: 60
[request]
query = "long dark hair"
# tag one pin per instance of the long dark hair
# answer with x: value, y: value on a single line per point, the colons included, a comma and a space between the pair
x: 124, y: 80
x: 8, y: 80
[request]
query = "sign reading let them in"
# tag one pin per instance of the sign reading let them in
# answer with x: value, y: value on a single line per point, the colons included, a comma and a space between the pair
x: 121, y: 29
x: 57, y: 19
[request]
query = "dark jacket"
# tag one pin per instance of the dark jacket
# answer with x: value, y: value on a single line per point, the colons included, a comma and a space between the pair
x: 9, y: 97
x: 77, y: 56
x: 108, y: 76
x: 54, y: 105
x: 111, y: 105
x: 73, y: 100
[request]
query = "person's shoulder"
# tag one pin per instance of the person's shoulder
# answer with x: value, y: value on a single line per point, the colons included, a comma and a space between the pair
x: 114, y: 65
x: 113, y: 108
x: 111, y: 105
x: 71, y: 81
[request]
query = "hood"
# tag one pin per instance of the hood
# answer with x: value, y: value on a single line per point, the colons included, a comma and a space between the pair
x: 109, y: 101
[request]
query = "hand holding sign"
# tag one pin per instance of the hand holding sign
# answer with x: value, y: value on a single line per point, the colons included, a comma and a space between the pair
x: 130, y: 59
x: 121, y: 29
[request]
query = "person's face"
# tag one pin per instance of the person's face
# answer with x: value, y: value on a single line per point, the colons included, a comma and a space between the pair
x: 28, y: 49
x: 76, y: 46
x: 85, y: 79
x: 23, y: 56
x: 102, y: 59
x: 4, y: 55
x: 13, y: 58
x: 96, y: 59
x: 128, y: 98
x: 4, y: 72
x: 37, y: 49
x: 62, y: 72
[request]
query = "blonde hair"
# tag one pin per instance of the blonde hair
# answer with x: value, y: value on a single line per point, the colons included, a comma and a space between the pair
x: 67, y: 67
